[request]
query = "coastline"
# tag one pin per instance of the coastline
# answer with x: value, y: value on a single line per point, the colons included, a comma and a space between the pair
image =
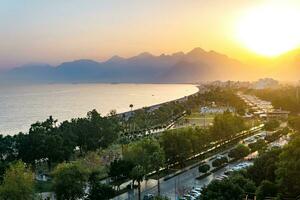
x: 31, y: 104
x: 156, y: 106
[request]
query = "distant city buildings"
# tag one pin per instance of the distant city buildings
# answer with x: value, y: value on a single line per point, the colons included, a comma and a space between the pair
x: 265, y: 83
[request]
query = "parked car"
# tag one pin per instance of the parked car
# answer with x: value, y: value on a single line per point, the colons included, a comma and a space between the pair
x: 189, y: 197
x: 148, y: 197
x: 195, y: 193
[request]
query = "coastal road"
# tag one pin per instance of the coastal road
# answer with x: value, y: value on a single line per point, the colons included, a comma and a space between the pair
x: 180, y: 183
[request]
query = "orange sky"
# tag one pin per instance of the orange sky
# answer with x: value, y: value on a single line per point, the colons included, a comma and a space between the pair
x: 54, y: 31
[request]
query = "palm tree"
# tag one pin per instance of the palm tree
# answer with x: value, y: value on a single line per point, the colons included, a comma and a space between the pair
x: 131, y: 106
x: 158, y: 161
x: 137, y: 174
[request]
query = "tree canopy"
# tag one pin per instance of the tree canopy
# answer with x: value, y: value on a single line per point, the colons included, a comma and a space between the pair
x: 18, y: 183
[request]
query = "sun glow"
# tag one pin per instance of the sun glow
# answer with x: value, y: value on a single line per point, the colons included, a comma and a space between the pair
x: 271, y: 29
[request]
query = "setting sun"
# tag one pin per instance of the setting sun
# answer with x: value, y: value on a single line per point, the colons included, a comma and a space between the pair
x: 270, y: 29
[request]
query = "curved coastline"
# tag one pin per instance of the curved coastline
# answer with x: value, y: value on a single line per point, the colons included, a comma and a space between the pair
x: 31, y: 105
x: 155, y: 106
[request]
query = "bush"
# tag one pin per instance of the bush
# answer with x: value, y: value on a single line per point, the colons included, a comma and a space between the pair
x: 219, y: 162
x: 266, y: 189
x: 239, y: 152
x: 259, y: 144
x: 101, y: 191
x: 69, y: 181
x: 204, y: 168
x: 272, y: 124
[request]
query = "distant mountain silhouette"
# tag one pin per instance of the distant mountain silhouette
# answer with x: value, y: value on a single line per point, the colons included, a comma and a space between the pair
x: 194, y: 66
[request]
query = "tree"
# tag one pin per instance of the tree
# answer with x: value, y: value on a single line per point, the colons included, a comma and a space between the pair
x: 227, y: 125
x: 94, y: 131
x: 264, y: 166
x: 239, y: 152
x: 294, y: 122
x: 92, y: 164
x: 258, y: 145
x: 7, y: 153
x: 131, y: 106
x: 219, y: 161
x: 221, y: 190
x: 100, y: 191
x: 120, y: 169
x: 204, y: 168
x: 288, y: 171
x: 141, y: 153
x: 266, y: 189
x: 272, y: 124
x: 43, y: 141
x: 177, y: 146
x: 148, y: 154
x: 231, y: 188
x: 18, y: 183
x: 69, y: 181
x: 137, y: 174
x: 157, y: 160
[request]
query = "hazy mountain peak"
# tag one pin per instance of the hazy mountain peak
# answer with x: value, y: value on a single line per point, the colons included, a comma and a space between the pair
x: 115, y: 58
x: 178, y: 54
x: 145, y: 55
x: 196, y: 51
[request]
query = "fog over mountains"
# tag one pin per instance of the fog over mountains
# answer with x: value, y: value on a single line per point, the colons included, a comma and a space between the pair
x: 194, y: 66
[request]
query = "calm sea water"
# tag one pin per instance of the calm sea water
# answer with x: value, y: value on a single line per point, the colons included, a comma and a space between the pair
x: 20, y: 106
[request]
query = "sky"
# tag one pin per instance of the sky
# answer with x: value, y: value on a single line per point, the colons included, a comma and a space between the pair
x: 54, y: 31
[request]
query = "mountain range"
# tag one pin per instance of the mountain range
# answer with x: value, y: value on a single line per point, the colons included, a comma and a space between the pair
x: 194, y: 66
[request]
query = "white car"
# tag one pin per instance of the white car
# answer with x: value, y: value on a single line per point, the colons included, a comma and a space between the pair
x: 198, y: 189
x: 195, y: 193
x: 190, y: 197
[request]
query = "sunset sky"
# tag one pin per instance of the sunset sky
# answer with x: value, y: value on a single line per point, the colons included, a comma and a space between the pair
x: 54, y: 31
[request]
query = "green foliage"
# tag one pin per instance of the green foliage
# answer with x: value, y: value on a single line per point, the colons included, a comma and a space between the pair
x: 239, y: 152
x: 276, y: 135
x: 224, y: 97
x: 7, y: 153
x: 179, y: 144
x: 227, y: 125
x: 92, y: 163
x: 138, y: 174
x: 146, y: 153
x: 228, y: 189
x: 283, y: 97
x: 288, y: 171
x: 100, y: 191
x: 219, y: 161
x: 145, y: 118
x: 204, y: 168
x: 18, y: 183
x: 120, y: 169
x: 69, y: 181
x: 95, y: 131
x: 294, y: 122
x: 272, y: 125
x: 264, y: 166
x: 266, y: 189
x: 258, y: 145
x: 56, y: 143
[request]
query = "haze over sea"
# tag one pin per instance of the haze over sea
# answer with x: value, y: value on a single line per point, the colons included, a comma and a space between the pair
x: 20, y: 106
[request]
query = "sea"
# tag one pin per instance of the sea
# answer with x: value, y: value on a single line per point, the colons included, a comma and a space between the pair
x: 23, y: 105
